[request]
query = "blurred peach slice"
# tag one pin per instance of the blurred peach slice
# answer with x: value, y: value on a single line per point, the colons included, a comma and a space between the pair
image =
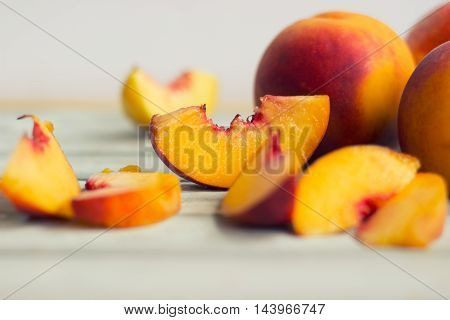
x: 341, y: 187
x: 128, y: 199
x: 38, y: 178
x: 143, y: 97
x: 413, y: 217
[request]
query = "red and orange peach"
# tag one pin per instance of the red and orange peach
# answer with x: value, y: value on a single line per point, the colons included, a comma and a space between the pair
x: 432, y: 31
x: 359, y: 62
x: 424, y: 114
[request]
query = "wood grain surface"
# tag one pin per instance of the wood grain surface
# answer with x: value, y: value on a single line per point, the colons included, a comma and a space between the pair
x: 195, y: 255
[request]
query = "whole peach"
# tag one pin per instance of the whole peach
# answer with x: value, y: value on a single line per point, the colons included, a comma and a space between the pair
x: 432, y: 31
x: 424, y: 114
x: 358, y: 61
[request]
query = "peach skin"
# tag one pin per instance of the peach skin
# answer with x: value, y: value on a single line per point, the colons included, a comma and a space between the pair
x: 340, y: 188
x: 424, y: 114
x: 38, y: 179
x: 414, y: 217
x: 143, y: 97
x: 432, y: 31
x: 198, y: 150
x: 359, y: 62
x: 128, y: 199
x: 262, y: 195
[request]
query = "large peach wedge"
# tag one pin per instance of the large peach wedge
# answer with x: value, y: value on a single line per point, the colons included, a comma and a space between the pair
x: 413, y: 217
x: 424, y: 114
x: 38, y: 178
x: 143, y: 97
x: 262, y: 195
x: 358, y: 61
x: 198, y: 150
x: 340, y: 188
x: 430, y: 32
x: 128, y: 199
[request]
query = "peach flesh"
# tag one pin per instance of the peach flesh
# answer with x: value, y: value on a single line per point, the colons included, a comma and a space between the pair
x: 273, y: 175
x: 413, y: 217
x: 200, y: 151
x: 143, y: 97
x: 127, y: 199
x: 340, y: 188
x: 38, y: 179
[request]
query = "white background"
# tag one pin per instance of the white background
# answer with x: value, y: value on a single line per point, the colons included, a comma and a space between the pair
x: 165, y: 37
x: 112, y: 310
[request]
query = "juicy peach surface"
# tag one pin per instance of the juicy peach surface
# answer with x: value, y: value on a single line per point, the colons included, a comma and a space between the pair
x: 192, y: 146
x: 128, y: 199
x: 143, y: 97
x: 262, y: 195
x: 38, y: 178
x: 424, y: 114
x: 357, y: 61
x: 124, y: 179
x: 414, y: 217
x: 432, y: 31
x: 340, y: 188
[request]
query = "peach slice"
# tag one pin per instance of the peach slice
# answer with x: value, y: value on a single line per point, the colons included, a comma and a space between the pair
x: 128, y: 199
x: 262, y: 195
x: 198, y: 150
x: 143, y: 97
x: 342, y: 186
x: 38, y: 178
x: 413, y: 217
x: 124, y: 179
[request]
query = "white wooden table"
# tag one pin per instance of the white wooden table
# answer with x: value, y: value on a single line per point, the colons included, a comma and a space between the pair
x: 195, y: 254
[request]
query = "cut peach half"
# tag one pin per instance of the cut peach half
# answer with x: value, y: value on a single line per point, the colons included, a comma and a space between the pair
x: 414, y: 217
x: 200, y: 151
x: 38, y: 178
x: 340, y: 188
x: 143, y: 97
x: 128, y: 199
x: 262, y: 195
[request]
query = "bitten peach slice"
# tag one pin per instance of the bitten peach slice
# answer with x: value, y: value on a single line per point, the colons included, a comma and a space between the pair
x: 414, y: 217
x: 128, y: 199
x: 198, y: 150
x: 262, y: 195
x: 143, y: 97
x: 38, y: 178
x: 342, y: 186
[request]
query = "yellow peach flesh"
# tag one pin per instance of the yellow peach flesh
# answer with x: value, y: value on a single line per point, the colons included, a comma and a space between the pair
x: 330, y: 194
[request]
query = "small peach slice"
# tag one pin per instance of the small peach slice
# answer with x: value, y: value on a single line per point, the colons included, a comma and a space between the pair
x: 343, y: 186
x: 262, y: 195
x: 38, y: 178
x: 143, y: 97
x: 124, y: 179
x: 413, y: 217
x: 128, y: 199
x: 198, y: 150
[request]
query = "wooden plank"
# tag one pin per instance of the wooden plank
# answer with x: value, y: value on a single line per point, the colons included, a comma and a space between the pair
x: 195, y: 254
